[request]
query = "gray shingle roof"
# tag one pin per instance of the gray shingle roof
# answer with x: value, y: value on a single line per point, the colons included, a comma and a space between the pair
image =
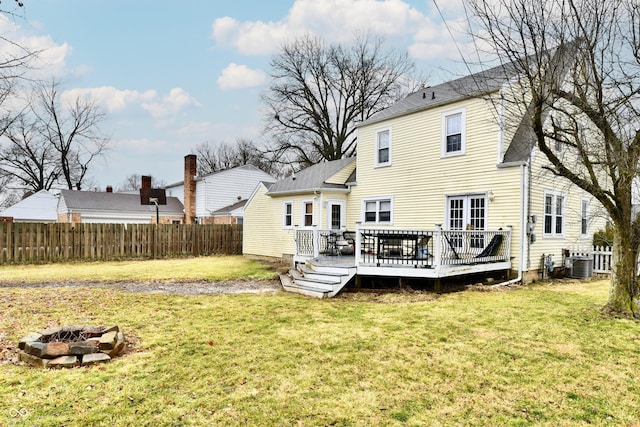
x: 116, y: 202
x: 312, y: 178
x: 470, y: 86
x: 230, y: 208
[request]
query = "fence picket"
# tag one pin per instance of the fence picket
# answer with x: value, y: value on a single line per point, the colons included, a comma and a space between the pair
x: 33, y: 242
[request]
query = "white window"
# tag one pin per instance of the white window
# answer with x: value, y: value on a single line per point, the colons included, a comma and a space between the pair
x: 378, y: 211
x: 307, y: 212
x: 584, y: 218
x: 553, y: 214
x: 453, y: 133
x: 288, y: 215
x: 383, y: 147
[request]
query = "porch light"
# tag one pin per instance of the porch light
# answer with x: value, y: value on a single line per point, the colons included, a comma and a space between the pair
x: 491, y: 196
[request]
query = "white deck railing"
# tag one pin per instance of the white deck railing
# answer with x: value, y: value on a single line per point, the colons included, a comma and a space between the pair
x: 406, y: 248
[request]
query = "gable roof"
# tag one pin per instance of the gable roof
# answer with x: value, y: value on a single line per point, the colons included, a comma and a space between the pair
x: 229, y: 209
x: 38, y: 207
x: 312, y: 178
x: 247, y: 167
x: 115, y: 202
x: 466, y: 87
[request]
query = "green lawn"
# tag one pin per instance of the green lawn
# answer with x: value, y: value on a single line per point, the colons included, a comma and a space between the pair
x: 538, y: 355
x: 213, y: 268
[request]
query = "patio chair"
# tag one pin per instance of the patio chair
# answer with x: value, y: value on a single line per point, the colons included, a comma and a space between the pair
x: 492, y: 248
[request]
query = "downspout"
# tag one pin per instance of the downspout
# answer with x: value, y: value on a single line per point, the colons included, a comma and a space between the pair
x: 524, y: 215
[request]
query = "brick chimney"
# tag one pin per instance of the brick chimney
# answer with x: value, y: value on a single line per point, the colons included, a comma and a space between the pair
x: 146, y: 181
x: 189, y: 188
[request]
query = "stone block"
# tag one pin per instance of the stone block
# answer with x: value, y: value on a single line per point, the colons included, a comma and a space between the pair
x: 111, y: 329
x: 119, y: 346
x: 108, y: 340
x: 93, y: 358
x: 83, y: 347
x: 33, y: 360
x: 63, y: 362
x: 55, y: 349
x: 33, y: 336
x: 34, y: 348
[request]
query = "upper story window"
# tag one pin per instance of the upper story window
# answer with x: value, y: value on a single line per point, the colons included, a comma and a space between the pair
x: 308, y: 214
x: 383, y: 147
x: 378, y: 210
x: 453, y: 133
x: 288, y: 214
x: 553, y: 214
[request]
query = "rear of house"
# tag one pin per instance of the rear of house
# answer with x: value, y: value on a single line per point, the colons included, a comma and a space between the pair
x: 446, y: 183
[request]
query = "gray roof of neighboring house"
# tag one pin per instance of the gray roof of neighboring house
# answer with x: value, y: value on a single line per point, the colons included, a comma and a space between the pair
x: 312, y: 178
x: 228, y: 209
x: 116, y: 202
x: 470, y: 86
x: 38, y: 207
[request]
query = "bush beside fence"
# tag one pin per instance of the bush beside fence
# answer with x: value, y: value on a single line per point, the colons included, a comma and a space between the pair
x: 58, y: 242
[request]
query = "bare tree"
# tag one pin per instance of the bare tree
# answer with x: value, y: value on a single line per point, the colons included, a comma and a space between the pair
x: 27, y: 159
x: 133, y: 182
x: 319, y: 92
x: 216, y: 157
x: 579, y: 63
x: 71, y: 129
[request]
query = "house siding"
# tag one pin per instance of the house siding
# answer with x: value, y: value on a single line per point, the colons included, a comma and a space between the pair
x: 420, y: 179
x: 544, y: 181
x: 263, y: 230
x: 225, y: 188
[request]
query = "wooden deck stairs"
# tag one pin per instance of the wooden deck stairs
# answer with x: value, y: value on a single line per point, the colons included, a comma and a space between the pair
x: 317, y: 278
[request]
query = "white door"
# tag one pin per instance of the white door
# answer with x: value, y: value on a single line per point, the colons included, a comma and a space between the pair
x: 467, y: 213
x: 336, y: 214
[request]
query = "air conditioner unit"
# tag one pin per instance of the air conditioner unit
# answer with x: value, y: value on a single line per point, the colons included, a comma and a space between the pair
x: 581, y: 267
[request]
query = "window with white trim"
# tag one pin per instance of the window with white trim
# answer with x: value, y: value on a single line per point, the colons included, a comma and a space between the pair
x: 453, y: 133
x: 307, y: 212
x: 288, y: 215
x: 584, y: 217
x: 378, y: 211
x: 553, y: 214
x: 383, y: 147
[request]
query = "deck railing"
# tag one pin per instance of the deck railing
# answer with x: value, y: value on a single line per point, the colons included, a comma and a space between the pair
x: 408, y: 248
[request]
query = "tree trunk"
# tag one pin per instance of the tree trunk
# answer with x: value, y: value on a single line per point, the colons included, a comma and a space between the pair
x: 624, y: 295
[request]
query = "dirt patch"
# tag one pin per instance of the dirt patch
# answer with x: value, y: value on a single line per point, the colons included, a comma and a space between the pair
x: 163, y: 287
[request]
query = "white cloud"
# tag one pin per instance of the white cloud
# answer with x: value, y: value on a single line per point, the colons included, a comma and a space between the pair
x: 334, y: 20
x: 50, y: 57
x: 113, y: 99
x: 237, y: 76
x: 178, y: 100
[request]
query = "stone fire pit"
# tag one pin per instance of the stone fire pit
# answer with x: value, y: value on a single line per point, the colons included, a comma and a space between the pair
x: 71, y: 346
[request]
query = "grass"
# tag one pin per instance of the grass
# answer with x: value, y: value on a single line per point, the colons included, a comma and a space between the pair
x: 215, y: 268
x: 539, y: 355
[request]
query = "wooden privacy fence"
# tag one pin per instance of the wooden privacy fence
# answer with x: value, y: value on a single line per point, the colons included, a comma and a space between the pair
x: 36, y: 242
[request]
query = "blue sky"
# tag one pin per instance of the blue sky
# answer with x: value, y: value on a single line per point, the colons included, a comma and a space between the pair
x: 174, y: 74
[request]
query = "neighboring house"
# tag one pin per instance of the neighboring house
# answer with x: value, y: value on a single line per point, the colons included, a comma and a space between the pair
x: 38, y: 207
x: 444, y: 186
x: 115, y: 208
x: 232, y: 214
x: 204, y: 195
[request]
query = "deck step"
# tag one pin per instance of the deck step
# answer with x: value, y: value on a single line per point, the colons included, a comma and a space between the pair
x: 324, y: 276
x: 290, y: 286
x: 311, y: 282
